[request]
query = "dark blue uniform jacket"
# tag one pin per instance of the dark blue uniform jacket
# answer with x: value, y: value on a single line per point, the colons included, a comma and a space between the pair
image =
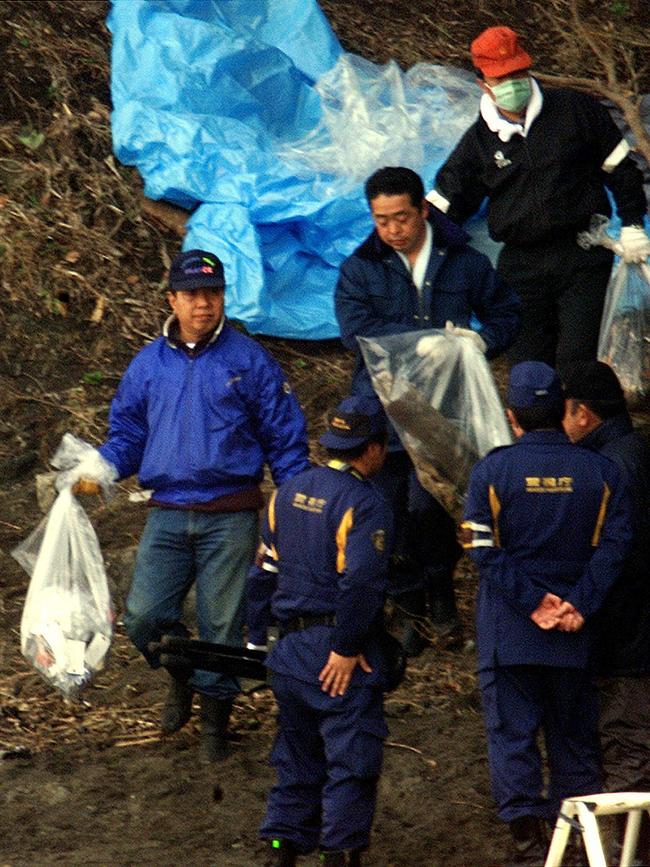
x: 623, y: 624
x: 375, y: 294
x: 543, y: 515
x: 326, y: 538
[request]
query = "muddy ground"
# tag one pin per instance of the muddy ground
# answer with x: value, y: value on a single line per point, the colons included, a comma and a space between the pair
x: 93, y: 783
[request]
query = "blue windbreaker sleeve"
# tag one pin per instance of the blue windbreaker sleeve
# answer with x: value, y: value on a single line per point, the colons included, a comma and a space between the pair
x: 612, y: 542
x: 354, y: 310
x: 261, y: 585
x: 497, y: 307
x: 480, y: 536
x: 280, y: 423
x: 364, y: 543
x: 128, y: 428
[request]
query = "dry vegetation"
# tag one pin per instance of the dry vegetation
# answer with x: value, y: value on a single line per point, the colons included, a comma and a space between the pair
x: 82, y: 268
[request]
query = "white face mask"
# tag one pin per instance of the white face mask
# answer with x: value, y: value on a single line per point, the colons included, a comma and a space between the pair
x: 513, y: 94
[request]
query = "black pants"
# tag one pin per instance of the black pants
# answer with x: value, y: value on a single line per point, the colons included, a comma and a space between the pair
x: 425, y: 551
x: 562, y: 288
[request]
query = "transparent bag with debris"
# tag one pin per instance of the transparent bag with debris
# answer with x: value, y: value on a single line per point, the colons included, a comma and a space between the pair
x: 624, y: 339
x: 67, y: 621
x: 439, y: 393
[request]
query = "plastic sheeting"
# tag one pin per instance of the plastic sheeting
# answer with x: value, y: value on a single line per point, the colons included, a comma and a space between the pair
x: 249, y: 113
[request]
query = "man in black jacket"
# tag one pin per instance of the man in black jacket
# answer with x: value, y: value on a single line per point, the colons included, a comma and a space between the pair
x: 596, y: 417
x: 543, y: 159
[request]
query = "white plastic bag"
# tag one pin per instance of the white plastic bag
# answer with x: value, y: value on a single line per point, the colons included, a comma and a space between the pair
x: 437, y: 389
x: 76, y: 459
x: 67, y: 621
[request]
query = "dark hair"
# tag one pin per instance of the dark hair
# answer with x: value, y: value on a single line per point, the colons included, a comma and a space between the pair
x: 395, y: 181
x: 539, y: 417
x: 347, y: 455
x: 602, y: 408
x: 479, y: 74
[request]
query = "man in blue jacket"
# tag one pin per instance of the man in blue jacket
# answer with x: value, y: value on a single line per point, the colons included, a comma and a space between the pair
x: 548, y: 525
x: 596, y: 417
x: 197, y: 415
x: 321, y: 575
x: 416, y: 272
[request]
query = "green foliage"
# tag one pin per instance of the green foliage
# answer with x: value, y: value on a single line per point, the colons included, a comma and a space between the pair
x: 619, y: 7
x: 31, y: 138
x: 96, y: 377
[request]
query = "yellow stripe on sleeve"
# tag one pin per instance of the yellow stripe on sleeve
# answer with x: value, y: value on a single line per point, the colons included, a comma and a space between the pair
x: 342, y: 538
x: 600, y: 520
x: 495, y: 506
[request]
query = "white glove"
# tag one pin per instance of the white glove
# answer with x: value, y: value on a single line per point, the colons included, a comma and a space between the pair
x: 429, y: 345
x: 634, y: 244
x: 474, y: 336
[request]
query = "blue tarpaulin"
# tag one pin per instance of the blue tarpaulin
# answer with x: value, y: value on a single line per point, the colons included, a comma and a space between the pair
x: 249, y: 114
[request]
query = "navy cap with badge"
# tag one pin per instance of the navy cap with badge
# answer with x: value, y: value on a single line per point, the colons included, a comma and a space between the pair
x: 533, y: 383
x: 196, y: 269
x: 354, y: 421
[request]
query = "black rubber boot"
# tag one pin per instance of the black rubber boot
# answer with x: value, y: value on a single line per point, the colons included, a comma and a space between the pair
x: 333, y: 859
x: 413, y: 606
x: 445, y: 623
x: 529, y: 842
x: 215, y: 715
x: 281, y: 853
x: 340, y: 858
x: 178, y: 705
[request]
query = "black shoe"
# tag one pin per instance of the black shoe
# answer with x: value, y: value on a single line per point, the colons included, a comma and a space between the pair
x: 177, y: 709
x: 529, y: 842
x: 281, y: 853
x: 215, y: 715
x: 333, y: 859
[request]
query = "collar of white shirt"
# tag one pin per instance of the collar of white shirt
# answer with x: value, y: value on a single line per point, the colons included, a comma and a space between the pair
x: 419, y: 268
x: 505, y: 129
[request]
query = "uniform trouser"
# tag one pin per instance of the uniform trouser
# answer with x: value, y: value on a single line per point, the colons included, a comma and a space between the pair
x: 518, y: 702
x: 179, y: 547
x: 425, y: 550
x: 562, y: 289
x: 625, y: 732
x: 327, y: 755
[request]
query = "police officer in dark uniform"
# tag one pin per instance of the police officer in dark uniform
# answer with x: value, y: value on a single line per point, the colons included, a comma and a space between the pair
x: 548, y: 525
x: 321, y: 574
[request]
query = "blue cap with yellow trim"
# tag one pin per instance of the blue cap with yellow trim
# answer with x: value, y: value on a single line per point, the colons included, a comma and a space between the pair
x: 533, y: 383
x: 354, y: 421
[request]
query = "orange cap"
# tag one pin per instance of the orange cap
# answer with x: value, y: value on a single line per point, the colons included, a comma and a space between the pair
x: 497, y: 52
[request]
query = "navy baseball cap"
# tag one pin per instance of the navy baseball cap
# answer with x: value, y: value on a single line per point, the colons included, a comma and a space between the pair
x: 533, y: 383
x: 354, y: 421
x: 196, y: 269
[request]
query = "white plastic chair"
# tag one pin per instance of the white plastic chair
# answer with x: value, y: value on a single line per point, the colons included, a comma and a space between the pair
x: 582, y: 812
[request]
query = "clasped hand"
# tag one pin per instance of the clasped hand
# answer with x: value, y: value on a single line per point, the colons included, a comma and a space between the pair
x: 554, y: 613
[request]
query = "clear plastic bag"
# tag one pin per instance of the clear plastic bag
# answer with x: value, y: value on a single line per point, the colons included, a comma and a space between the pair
x: 437, y: 389
x: 67, y: 621
x: 624, y: 339
x: 76, y: 459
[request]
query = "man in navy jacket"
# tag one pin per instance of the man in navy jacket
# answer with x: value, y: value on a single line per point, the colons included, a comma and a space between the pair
x: 548, y: 525
x: 321, y: 575
x: 197, y: 415
x: 416, y: 271
x: 596, y: 417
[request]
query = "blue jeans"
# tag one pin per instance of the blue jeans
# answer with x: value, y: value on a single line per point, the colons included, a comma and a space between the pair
x: 179, y: 548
